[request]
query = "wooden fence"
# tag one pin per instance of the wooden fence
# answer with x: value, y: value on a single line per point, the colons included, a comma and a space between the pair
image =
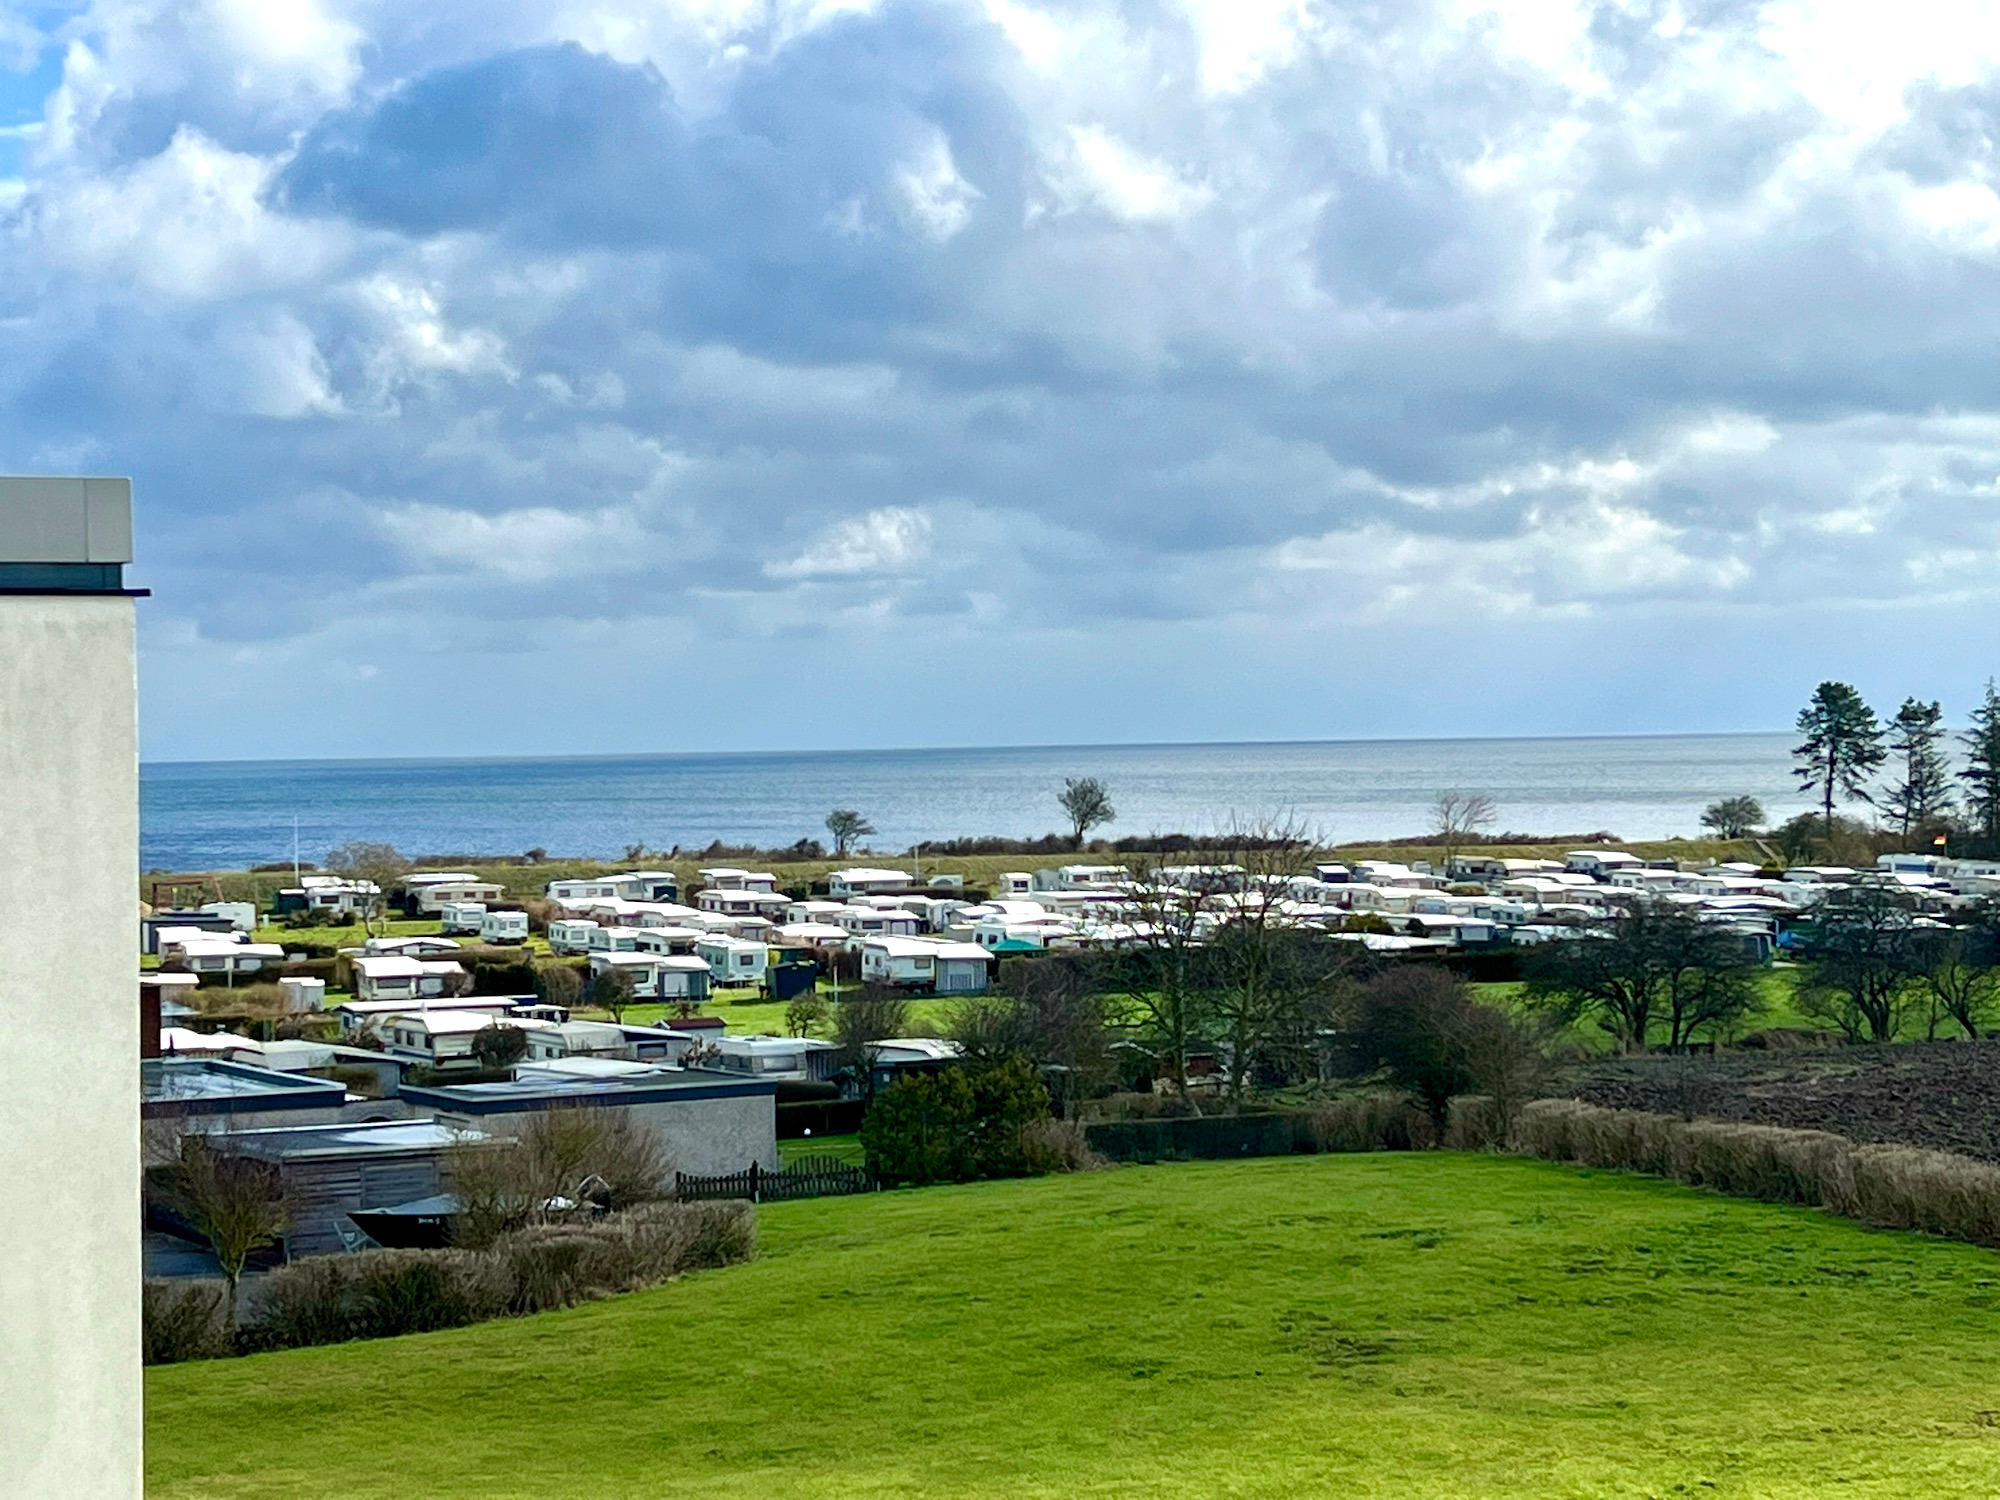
x: 807, y: 1177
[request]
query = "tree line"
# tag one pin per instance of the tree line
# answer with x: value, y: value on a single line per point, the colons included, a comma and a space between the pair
x: 1901, y: 767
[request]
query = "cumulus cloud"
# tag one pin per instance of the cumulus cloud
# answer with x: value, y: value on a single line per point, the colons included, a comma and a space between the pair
x: 1057, y: 333
x: 890, y: 540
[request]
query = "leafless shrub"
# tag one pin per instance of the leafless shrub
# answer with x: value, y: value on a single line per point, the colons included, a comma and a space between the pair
x: 417, y: 1291
x: 383, y: 1293
x: 546, y: 1266
x: 1902, y: 1187
x: 1058, y: 1146
x: 562, y: 1160
x: 184, y: 1320
x: 260, y: 1001
x: 1892, y: 1187
x: 1376, y: 1122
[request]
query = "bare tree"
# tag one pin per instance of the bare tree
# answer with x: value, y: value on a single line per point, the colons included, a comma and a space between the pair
x: 1861, y: 957
x: 379, y: 865
x: 1268, y: 977
x: 1956, y: 967
x: 846, y: 825
x: 234, y: 1202
x: 1457, y: 816
x: 1049, y: 1009
x: 1155, y: 964
x: 1086, y: 802
x: 1656, y: 964
x: 498, y: 1045
x: 862, y: 1019
x: 611, y: 990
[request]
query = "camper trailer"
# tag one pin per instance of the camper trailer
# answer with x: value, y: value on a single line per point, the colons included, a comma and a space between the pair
x: 504, y: 927
x: 734, y: 961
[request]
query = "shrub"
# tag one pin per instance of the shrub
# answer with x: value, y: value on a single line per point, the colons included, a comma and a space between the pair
x: 184, y: 1320
x: 1902, y: 1187
x: 956, y: 1125
x: 1058, y: 1146
x: 1892, y: 1187
x: 1378, y: 1122
x: 559, y: 982
x: 920, y: 1130
x: 1429, y: 1036
x: 385, y: 1293
x: 546, y: 1266
x: 302, y: 1304
x: 724, y: 1233
x: 417, y: 1291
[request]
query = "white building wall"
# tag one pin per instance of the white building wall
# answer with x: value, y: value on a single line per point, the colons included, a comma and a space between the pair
x: 69, y: 1073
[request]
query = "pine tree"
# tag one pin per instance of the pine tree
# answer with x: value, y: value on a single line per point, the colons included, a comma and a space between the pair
x: 1921, y: 794
x: 1842, y: 746
x: 1982, y: 768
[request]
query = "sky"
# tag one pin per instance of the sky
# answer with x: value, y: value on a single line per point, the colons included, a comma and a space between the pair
x: 596, y: 376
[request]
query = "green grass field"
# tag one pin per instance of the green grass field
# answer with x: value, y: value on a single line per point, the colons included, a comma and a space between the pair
x: 1397, y: 1326
x: 767, y: 1017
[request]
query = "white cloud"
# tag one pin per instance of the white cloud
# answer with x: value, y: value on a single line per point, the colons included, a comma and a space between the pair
x: 287, y: 45
x: 1101, y: 171
x: 760, y: 318
x: 935, y: 200
x: 270, y: 365
x: 187, y: 223
x: 413, y: 337
x: 530, y: 544
x: 1243, y: 40
x: 892, y: 539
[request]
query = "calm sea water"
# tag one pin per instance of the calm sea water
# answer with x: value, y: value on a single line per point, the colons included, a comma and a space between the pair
x: 229, y: 814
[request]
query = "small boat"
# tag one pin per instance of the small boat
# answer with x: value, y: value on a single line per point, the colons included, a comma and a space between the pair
x: 421, y: 1224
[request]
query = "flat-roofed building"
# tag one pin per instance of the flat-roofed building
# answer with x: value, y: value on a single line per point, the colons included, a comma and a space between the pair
x: 70, y: 1264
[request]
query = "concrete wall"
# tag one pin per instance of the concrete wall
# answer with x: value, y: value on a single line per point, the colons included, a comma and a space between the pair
x: 69, y: 1050
x: 708, y: 1137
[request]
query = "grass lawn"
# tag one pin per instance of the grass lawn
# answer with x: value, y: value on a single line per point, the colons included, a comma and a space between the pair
x: 760, y: 1017
x: 353, y: 935
x: 1404, y: 1326
x: 1777, y: 1010
x: 846, y: 1147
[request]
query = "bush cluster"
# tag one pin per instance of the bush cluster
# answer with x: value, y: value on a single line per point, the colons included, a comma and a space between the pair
x: 957, y: 1125
x: 1058, y: 1146
x: 384, y: 1293
x: 1891, y: 1187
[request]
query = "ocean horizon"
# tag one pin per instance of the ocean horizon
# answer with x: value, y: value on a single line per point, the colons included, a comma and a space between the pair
x: 233, y: 813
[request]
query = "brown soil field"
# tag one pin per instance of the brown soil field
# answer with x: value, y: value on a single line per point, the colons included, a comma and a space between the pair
x: 1944, y: 1095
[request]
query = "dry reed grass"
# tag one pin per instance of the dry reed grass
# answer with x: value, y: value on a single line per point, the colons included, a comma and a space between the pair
x: 1890, y: 1187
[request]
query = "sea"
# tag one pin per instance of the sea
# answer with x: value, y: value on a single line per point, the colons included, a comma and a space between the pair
x: 214, y: 815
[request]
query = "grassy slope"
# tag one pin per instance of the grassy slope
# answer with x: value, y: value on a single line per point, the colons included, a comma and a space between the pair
x: 1382, y: 1326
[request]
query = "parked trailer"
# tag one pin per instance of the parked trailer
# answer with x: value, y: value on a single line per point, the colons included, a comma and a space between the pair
x: 463, y: 916
x: 504, y: 927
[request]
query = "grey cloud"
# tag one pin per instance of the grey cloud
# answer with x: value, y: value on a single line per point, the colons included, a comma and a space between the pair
x: 1433, y: 315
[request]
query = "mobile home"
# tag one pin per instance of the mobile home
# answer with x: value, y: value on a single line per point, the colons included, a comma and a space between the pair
x: 570, y: 935
x: 462, y: 916
x: 734, y: 961
x: 504, y: 927
x: 658, y: 976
